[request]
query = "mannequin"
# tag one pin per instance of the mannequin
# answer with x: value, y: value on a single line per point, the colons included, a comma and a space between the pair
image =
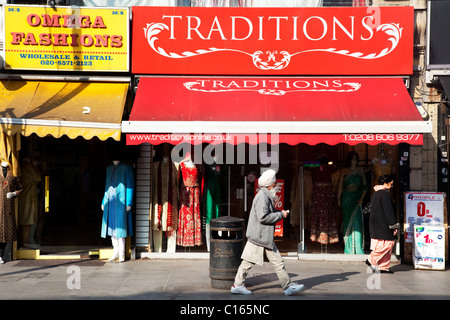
x: 10, y: 187
x: 116, y: 206
x: 29, y: 202
x: 213, y: 180
x: 323, y: 221
x: 165, y: 203
x: 352, y: 189
x: 296, y: 198
x: 189, y: 232
x: 382, y: 165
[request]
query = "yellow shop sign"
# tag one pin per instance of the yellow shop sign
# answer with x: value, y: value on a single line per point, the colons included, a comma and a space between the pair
x: 66, y: 38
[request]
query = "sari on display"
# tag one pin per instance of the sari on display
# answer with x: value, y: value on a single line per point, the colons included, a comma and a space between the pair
x: 352, y: 224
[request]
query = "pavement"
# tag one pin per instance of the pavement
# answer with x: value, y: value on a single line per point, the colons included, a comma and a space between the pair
x: 188, y: 279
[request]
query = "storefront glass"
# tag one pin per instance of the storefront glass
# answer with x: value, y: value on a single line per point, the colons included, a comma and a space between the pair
x: 311, y: 179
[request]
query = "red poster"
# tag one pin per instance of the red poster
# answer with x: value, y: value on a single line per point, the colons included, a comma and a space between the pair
x: 279, y: 204
x: 273, y: 41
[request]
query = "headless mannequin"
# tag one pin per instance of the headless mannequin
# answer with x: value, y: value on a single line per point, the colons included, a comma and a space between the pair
x: 157, y: 234
x: 118, y: 243
x: 208, y: 224
x: 29, y: 203
x: 188, y: 161
x: 191, y: 188
x: 352, y: 190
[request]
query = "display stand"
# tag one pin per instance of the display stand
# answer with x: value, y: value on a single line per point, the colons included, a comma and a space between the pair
x: 423, y: 209
x: 429, y: 247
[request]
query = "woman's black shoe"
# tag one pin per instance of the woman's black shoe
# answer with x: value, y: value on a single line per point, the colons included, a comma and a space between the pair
x: 386, y: 271
x: 370, y: 265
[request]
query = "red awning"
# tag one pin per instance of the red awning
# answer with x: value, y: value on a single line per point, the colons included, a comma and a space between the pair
x: 275, y: 110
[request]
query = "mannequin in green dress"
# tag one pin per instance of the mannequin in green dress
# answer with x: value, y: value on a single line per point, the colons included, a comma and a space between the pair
x: 212, y: 196
x: 352, y: 189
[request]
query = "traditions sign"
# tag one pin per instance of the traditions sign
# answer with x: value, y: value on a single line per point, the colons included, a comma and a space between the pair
x: 273, y: 41
x: 66, y: 38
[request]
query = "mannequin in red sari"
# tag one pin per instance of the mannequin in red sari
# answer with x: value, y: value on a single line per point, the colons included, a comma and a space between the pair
x: 189, y: 232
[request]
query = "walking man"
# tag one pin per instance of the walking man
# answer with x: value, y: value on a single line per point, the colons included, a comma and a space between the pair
x: 260, y: 234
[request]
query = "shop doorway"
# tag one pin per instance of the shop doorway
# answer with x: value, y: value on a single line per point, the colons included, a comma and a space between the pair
x: 69, y: 217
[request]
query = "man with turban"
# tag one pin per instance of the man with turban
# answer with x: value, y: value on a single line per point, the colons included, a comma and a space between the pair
x: 260, y: 234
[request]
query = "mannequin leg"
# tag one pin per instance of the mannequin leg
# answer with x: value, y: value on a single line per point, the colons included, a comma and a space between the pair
x: 171, y: 241
x: 32, y: 234
x: 2, y: 251
x: 24, y: 231
x: 115, y: 245
x: 207, y: 235
x: 157, y: 240
x: 121, y: 247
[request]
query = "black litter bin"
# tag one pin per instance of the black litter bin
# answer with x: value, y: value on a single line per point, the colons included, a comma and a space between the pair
x: 226, y: 245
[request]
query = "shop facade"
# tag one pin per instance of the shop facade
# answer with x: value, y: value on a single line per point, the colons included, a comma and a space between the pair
x: 237, y: 91
x: 196, y: 48
x: 65, y: 89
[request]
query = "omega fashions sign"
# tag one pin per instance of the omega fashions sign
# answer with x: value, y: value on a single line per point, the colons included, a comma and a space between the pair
x: 66, y: 38
x: 273, y: 41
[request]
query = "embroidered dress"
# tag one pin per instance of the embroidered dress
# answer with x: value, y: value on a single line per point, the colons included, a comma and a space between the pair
x: 323, y: 221
x: 189, y: 232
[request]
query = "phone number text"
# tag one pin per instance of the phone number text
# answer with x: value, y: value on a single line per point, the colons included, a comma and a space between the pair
x: 65, y: 63
x: 382, y: 137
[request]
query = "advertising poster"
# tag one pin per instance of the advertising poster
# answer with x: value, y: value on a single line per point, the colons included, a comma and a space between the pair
x: 423, y: 208
x: 279, y: 204
x: 429, y: 247
x: 66, y: 38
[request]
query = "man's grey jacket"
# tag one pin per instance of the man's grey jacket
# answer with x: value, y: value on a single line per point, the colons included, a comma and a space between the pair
x: 262, y: 219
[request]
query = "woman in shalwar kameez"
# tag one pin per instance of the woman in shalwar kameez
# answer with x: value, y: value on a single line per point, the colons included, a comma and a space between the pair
x: 383, y: 226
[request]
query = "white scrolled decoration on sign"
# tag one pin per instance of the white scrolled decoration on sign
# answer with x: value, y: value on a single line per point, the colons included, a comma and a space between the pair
x: 154, y: 29
x: 391, y: 29
x: 354, y: 86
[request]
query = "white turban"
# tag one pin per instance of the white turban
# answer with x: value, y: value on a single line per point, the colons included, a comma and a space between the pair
x: 267, y: 178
